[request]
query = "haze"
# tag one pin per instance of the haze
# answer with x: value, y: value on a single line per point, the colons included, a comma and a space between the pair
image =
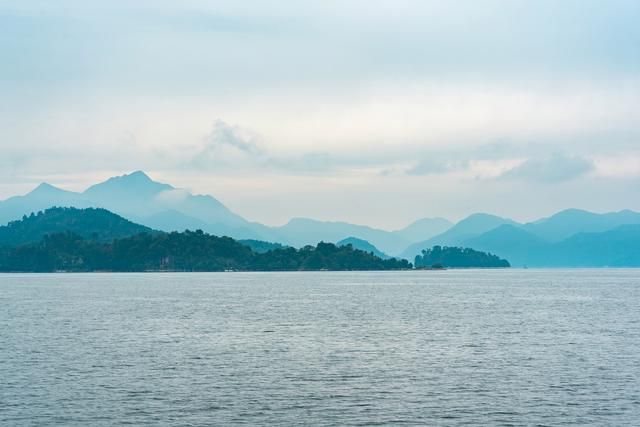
x: 377, y: 112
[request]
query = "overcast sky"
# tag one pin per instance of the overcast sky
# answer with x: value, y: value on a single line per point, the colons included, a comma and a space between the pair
x: 376, y: 112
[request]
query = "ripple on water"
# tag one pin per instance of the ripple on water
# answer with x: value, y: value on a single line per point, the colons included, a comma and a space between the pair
x: 509, y: 347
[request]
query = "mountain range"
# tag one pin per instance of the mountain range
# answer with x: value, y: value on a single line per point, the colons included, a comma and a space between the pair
x: 161, y: 206
x: 571, y: 237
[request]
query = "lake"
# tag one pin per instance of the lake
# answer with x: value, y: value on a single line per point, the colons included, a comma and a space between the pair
x: 456, y: 347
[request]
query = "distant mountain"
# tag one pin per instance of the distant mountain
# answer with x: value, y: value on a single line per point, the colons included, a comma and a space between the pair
x: 362, y: 245
x: 170, y: 220
x: 261, y: 247
x: 138, y: 197
x: 470, y: 227
x: 134, y: 194
x: 303, y: 231
x: 572, y: 221
x: 160, y: 206
x: 619, y: 247
x: 514, y: 243
x: 42, y: 197
x: 144, y: 201
x: 424, y: 229
x: 94, y: 224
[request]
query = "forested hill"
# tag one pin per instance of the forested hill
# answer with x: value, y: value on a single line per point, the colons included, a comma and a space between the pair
x: 261, y: 246
x: 455, y: 257
x: 187, y: 251
x: 94, y: 224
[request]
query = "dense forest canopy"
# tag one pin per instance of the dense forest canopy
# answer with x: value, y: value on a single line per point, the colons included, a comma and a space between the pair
x: 444, y: 256
x: 186, y: 251
x: 261, y: 246
x: 90, y: 223
x: 70, y: 239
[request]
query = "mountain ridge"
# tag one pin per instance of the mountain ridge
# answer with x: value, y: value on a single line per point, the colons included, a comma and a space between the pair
x: 472, y: 225
x: 138, y: 198
x: 362, y: 245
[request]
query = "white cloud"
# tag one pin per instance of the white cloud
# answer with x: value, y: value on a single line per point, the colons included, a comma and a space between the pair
x: 550, y: 169
x: 348, y: 97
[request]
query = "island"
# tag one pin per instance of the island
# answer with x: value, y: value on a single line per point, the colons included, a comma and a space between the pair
x: 441, y: 257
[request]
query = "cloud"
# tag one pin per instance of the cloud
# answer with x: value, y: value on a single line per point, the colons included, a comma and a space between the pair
x: 227, y: 146
x: 224, y: 134
x: 467, y: 158
x: 551, y: 169
x: 173, y: 196
x: 435, y: 166
x: 374, y: 97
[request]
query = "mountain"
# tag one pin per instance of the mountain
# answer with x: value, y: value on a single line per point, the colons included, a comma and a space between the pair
x: 619, y: 247
x: 69, y: 238
x: 160, y: 206
x: 144, y: 201
x: 424, y: 229
x: 303, y: 231
x: 511, y: 242
x: 362, y: 245
x: 42, y: 197
x: 95, y: 224
x: 171, y: 220
x: 572, y: 221
x: 134, y: 194
x: 470, y: 227
x: 138, y: 197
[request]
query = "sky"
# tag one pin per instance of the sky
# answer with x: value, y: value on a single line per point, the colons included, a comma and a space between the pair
x: 373, y: 112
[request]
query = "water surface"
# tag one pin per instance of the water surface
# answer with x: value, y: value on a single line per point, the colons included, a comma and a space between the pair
x: 508, y: 347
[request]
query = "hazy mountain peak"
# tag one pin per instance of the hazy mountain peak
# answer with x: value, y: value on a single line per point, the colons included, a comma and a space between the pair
x: 571, y: 221
x: 362, y: 245
x: 137, y: 177
x: 46, y: 189
x: 423, y: 229
x: 471, y: 226
x: 298, y: 220
x: 427, y: 223
x: 573, y: 212
x: 481, y: 222
x: 481, y: 216
x: 138, y: 174
x: 136, y: 184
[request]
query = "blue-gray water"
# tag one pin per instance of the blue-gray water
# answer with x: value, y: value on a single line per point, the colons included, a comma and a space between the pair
x: 509, y: 347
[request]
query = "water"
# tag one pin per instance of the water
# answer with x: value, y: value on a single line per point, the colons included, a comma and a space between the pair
x: 510, y: 347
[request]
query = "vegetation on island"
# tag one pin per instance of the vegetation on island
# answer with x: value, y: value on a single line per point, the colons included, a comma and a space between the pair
x: 570, y: 238
x: 186, y: 251
x: 70, y: 239
x: 90, y: 223
x: 440, y: 257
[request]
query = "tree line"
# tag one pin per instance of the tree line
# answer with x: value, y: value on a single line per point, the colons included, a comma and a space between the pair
x: 181, y: 251
x: 455, y: 257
